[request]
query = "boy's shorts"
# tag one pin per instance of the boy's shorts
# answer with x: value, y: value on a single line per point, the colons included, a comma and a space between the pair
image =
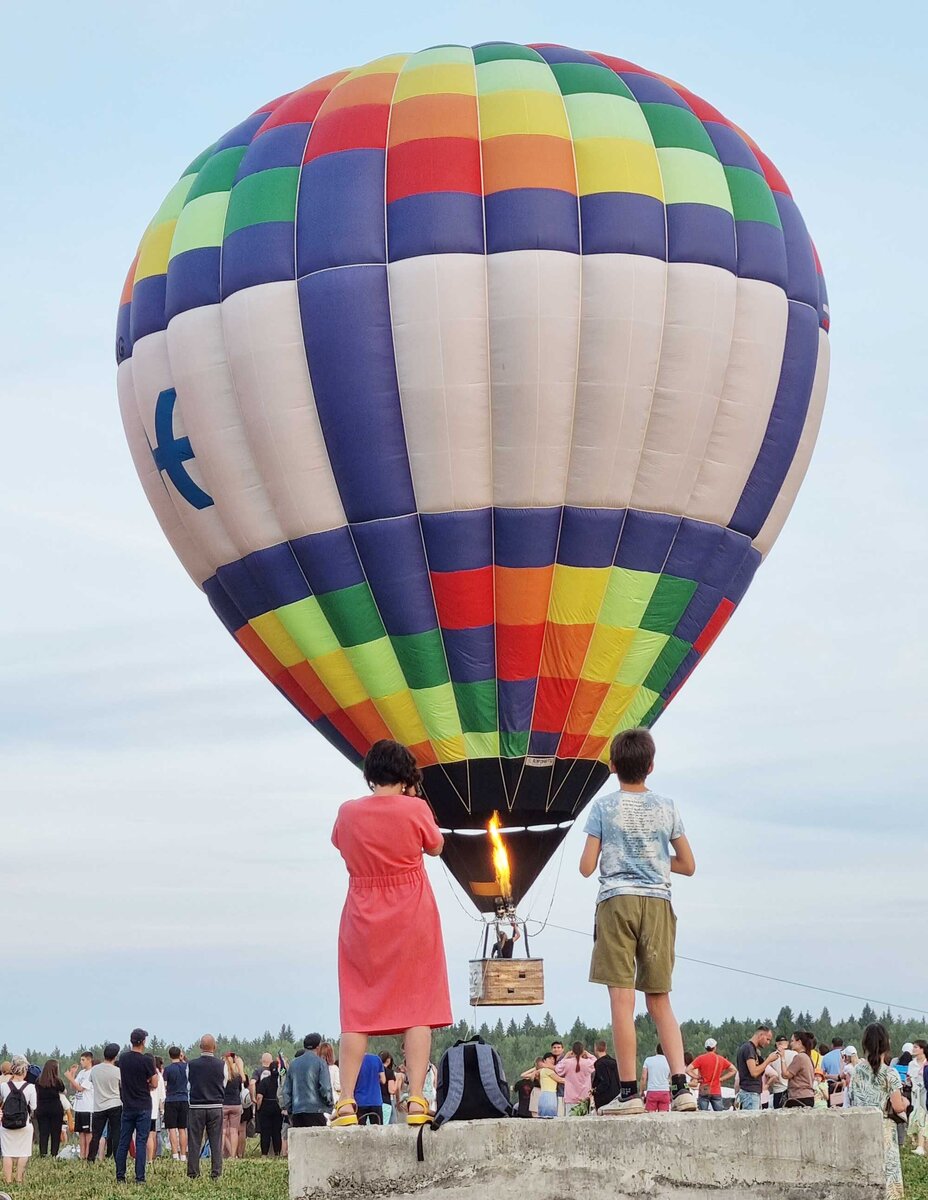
x: 633, y: 944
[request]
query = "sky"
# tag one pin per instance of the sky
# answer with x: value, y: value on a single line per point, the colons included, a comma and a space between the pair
x: 166, y: 815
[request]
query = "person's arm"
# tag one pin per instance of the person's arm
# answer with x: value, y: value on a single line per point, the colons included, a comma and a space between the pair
x: 898, y: 1102
x: 589, y: 859
x: 729, y: 1074
x: 325, y: 1083
x: 515, y: 933
x: 560, y: 1068
x: 644, y: 1080
x: 756, y: 1066
x: 682, y: 862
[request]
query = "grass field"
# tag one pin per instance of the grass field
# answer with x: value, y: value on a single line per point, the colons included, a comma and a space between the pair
x: 253, y: 1178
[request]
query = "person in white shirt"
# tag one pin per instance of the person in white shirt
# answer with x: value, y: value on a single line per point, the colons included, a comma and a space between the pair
x: 80, y: 1080
x: 16, y: 1144
x: 849, y: 1061
x: 157, y: 1109
x: 655, y: 1082
x: 776, y: 1080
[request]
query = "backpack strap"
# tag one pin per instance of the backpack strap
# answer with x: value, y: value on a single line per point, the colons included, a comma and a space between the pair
x: 486, y: 1064
x: 455, y: 1093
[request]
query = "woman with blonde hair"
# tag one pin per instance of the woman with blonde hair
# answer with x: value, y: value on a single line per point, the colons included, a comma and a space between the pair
x: 236, y: 1080
x: 18, y: 1101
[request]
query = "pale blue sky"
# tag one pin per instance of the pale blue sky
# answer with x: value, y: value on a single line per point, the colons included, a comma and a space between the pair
x: 167, y: 815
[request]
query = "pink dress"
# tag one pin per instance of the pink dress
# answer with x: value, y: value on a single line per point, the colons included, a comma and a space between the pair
x: 392, y: 974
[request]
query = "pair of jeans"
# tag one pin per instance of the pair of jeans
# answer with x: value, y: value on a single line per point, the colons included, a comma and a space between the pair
x: 204, y: 1122
x: 270, y: 1126
x: 749, y: 1101
x: 49, y: 1130
x: 137, y: 1121
x: 716, y: 1103
x: 307, y: 1120
x: 109, y: 1119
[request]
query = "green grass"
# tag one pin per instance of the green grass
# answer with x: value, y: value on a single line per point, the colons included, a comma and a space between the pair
x: 915, y: 1176
x: 251, y: 1178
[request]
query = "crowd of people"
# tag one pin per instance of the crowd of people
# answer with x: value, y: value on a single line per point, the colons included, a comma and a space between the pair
x: 635, y: 842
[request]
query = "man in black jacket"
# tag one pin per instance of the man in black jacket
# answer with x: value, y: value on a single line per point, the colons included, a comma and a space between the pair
x: 605, y: 1077
x: 207, y: 1077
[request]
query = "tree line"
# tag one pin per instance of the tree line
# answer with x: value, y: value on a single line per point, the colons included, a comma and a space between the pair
x: 519, y: 1043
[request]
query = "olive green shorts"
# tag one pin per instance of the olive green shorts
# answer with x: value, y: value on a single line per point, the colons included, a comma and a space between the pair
x: 633, y: 944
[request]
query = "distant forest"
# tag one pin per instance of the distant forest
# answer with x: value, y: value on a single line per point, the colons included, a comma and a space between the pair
x: 520, y: 1043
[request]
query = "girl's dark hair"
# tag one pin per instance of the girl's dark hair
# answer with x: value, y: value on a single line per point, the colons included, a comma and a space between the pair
x: 632, y: 755
x: 577, y: 1049
x: 388, y: 763
x: 159, y: 1061
x: 808, y: 1041
x: 386, y: 1058
x: 921, y: 1042
x: 905, y: 1058
x: 50, y: 1077
x: 875, y: 1044
x: 687, y: 1058
x: 659, y: 1049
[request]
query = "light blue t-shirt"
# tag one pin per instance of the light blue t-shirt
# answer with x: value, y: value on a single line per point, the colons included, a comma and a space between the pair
x: 831, y: 1062
x: 636, y: 829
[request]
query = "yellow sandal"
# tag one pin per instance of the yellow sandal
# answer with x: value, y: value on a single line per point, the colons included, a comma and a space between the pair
x: 349, y: 1118
x: 419, y: 1118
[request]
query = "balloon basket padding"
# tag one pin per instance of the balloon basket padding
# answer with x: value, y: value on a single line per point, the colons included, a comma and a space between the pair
x: 501, y: 981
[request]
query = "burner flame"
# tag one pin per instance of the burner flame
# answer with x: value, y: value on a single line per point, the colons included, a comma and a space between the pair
x: 500, y: 859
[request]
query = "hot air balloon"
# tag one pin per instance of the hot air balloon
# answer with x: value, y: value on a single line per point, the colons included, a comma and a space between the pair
x: 472, y: 386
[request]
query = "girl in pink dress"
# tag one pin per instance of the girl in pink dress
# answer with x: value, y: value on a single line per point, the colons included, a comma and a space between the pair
x: 392, y: 975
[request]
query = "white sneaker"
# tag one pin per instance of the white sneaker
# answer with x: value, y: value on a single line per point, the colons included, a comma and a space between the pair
x: 176, y: 1157
x: 920, y: 1151
x: 623, y: 1108
x: 183, y: 1158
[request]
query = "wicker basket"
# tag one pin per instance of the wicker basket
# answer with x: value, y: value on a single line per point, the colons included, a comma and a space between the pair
x: 495, y: 981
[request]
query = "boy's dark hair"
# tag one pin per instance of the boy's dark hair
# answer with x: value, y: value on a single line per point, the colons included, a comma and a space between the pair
x: 762, y: 1028
x: 632, y: 755
x: 174, y: 1052
x: 388, y: 763
x: 111, y: 1051
x: 837, y: 1043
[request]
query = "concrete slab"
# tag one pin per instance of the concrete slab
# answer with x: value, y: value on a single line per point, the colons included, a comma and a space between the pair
x: 785, y: 1155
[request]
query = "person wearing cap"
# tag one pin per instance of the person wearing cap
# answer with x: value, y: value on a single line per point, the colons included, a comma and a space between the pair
x: 849, y: 1061
x: 107, y: 1105
x: 776, y: 1080
x: 138, y: 1078
x: 711, y: 1070
x: 306, y: 1093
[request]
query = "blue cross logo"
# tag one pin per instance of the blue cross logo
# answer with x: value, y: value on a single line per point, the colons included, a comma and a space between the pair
x: 171, y: 453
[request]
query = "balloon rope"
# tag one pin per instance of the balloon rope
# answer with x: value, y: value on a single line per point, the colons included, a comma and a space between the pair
x: 773, y: 978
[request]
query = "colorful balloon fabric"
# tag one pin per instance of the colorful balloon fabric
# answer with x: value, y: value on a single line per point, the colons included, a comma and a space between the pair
x: 472, y: 386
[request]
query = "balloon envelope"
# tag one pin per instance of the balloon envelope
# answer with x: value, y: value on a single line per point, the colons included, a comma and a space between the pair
x: 472, y: 386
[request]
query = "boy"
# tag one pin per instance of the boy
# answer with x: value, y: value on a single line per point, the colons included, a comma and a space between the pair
x: 629, y: 836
